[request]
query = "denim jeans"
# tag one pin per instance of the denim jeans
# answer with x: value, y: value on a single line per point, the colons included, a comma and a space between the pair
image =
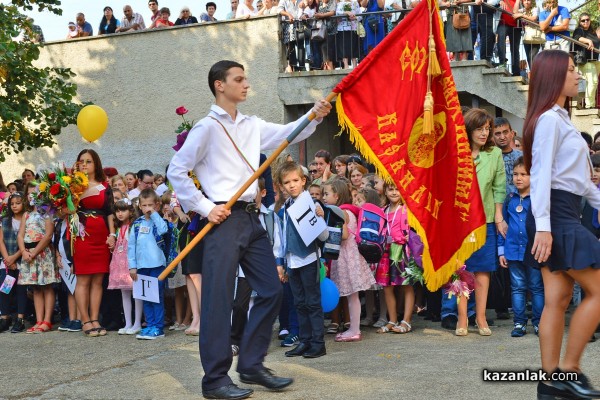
x: 523, y: 278
x: 155, y: 312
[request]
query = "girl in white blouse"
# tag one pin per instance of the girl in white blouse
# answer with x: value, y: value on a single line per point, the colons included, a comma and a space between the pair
x: 566, y: 252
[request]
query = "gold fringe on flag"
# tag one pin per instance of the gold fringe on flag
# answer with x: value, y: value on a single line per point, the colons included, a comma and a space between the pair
x: 434, y: 279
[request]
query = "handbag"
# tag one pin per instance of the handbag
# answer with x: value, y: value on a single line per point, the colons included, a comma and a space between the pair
x: 373, y: 23
x: 319, y: 31
x: 461, y: 20
x: 533, y: 35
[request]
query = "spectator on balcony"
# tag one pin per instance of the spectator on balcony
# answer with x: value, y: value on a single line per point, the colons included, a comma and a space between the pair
x: 163, y: 21
x: 325, y: 11
x: 72, y: 33
x: 373, y: 24
x: 269, y: 8
x: 131, y: 21
x: 246, y: 10
x: 293, y: 37
x: 347, y: 37
x: 484, y: 21
x: 109, y: 24
x: 186, y: 17
x: 507, y: 27
x: 208, y: 16
x: 526, y: 10
x: 84, y: 28
x: 586, y: 34
x: 314, y: 46
x: 554, y: 19
x: 153, y: 6
x: 35, y: 34
x: 458, y: 41
x: 234, y: 6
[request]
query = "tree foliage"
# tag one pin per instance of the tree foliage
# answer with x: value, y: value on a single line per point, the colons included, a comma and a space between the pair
x: 35, y: 103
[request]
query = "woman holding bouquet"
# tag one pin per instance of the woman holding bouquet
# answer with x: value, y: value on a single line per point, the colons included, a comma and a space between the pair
x: 91, y: 257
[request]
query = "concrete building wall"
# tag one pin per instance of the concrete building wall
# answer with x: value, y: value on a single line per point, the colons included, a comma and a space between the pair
x: 141, y: 78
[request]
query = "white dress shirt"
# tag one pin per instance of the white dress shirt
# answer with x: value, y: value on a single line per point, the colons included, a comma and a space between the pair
x: 220, y: 169
x: 560, y: 160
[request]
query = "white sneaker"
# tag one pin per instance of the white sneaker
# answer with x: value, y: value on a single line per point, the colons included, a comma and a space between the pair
x: 133, y: 331
x: 380, y: 322
x: 123, y: 331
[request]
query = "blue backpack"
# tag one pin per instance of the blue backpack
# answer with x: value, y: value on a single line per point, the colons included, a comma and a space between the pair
x: 166, y: 242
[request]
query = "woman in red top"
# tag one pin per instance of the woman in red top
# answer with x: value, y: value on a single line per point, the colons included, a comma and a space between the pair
x: 91, y: 255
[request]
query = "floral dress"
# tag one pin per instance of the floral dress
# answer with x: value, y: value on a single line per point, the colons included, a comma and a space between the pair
x: 119, y: 277
x: 350, y: 272
x: 41, y: 270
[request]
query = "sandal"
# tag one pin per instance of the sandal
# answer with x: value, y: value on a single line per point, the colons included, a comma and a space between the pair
x: 386, y: 328
x: 333, y: 328
x: 402, y: 327
x: 44, y: 326
x: 101, y: 330
x: 34, y: 328
x: 346, y: 326
x: 90, y: 332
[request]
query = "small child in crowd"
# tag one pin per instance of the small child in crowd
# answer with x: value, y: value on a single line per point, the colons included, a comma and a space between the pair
x: 10, y: 256
x: 511, y: 251
x: 145, y: 255
x: 315, y: 191
x: 303, y: 269
x: 37, y: 267
x: 119, y: 277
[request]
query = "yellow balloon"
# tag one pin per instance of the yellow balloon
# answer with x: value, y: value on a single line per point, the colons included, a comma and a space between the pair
x: 92, y: 121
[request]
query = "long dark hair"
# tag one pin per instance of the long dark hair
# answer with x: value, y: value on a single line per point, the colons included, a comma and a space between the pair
x: 548, y: 75
x: 112, y: 24
x: 99, y: 174
x: 9, y: 212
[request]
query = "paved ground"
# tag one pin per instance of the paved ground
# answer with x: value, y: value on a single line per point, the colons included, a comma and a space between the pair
x: 429, y: 363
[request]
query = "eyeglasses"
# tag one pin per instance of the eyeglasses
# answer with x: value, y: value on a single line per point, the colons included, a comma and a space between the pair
x: 313, y: 171
x: 585, y: 20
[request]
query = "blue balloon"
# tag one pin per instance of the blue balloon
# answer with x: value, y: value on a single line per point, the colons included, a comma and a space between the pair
x: 330, y: 295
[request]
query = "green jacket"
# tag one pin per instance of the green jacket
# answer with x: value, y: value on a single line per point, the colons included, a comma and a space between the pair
x: 492, y: 180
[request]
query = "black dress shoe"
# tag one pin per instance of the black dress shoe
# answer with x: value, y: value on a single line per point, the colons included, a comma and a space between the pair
x: 315, y: 352
x: 579, y: 387
x: 502, y: 315
x: 549, y: 392
x: 230, y: 391
x: 298, y: 350
x: 266, y: 378
x: 449, y: 322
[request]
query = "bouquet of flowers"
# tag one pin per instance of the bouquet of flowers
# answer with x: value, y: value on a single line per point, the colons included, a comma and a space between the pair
x: 59, y: 191
x: 183, y: 129
x: 3, y: 209
x: 462, y: 283
x: 347, y: 7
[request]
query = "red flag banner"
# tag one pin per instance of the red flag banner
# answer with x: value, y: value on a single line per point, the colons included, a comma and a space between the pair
x: 404, y: 116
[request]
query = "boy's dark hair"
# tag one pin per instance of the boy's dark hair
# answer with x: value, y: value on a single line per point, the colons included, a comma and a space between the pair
x: 143, y: 173
x: 588, y: 138
x: 287, y: 168
x: 149, y: 194
x: 502, y: 121
x: 520, y: 162
x: 220, y: 70
x: 153, y: 1
x: 596, y: 160
x: 210, y: 3
x: 595, y: 146
x: 165, y: 10
x: 316, y: 186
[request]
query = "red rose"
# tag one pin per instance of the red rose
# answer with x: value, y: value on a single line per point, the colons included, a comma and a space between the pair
x: 55, y: 189
x: 181, y: 110
x: 51, y: 176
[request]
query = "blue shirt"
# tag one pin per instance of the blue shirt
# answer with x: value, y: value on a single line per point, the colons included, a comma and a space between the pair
x: 144, y: 252
x: 563, y: 13
x: 513, y: 247
x: 509, y: 165
x: 87, y: 28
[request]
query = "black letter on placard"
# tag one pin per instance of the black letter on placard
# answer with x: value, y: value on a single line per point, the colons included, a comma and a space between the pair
x: 303, y: 215
x: 313, y: 221
x: 143, y: 288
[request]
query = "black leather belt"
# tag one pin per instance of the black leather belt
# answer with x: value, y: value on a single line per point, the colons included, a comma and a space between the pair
x: 250, y: 208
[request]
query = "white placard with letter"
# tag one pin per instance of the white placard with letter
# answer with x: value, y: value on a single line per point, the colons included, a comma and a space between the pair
x: 69, y: 278
x: 304, y: 217
x: 146, y: 288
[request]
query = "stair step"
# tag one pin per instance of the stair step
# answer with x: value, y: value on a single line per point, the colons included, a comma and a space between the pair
x: 586, y: 112
x: 495, y: 71
x: 596, y: 121
x: 470, y: 63
x: 523, y: 88
x: 508, y: 79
